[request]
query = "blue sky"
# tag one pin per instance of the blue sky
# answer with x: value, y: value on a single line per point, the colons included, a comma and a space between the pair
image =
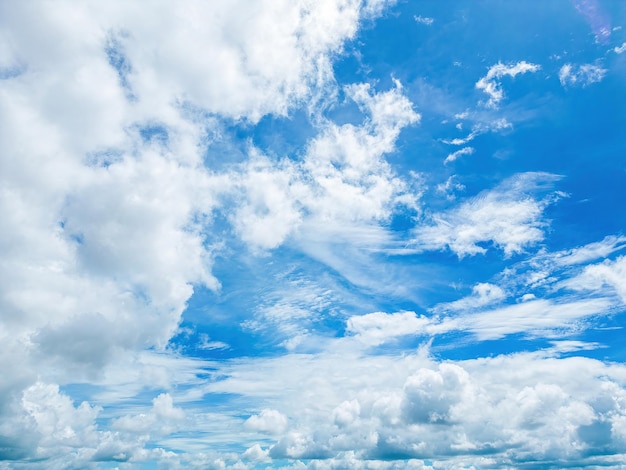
x: 338, y: 234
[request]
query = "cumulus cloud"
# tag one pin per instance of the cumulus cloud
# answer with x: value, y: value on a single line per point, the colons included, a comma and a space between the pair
x: 271, y: 421
x: 111, y: 220
x: 514, y: 408
x: 490, y: 83
x: 343, y: 180
x: 508, y: 216
x: 428, y: 395
x: 164, y: 418
x: 106, y: 203
x: 46, y: 426
x: 620, y: 49
x: 581, y: 75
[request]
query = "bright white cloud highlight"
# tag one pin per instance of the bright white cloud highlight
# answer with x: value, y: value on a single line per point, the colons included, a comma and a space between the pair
x: 490, y: 83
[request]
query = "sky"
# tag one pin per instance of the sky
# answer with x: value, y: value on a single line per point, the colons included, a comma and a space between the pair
x: 312, y: 234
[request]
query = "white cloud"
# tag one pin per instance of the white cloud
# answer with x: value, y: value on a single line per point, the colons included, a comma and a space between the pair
x: 424, y: 20
x: 475, y: 314
x: 272, y: 209
x: 479, y: 129
x: 164, y: 418
x: 208, y: 345
x: 428, y: 395
x: 609, y: 274
x: 450, y: 187
x: 106, y: 204
x: 271, y: 421
x: 591, y: 251
x: 47, y: 427
x: 346, y: 413
x: 256, y: 454
x: 535, y: 317
x: 483, y: 294
x: 377, y: 328
x: 343, y: 182
x: 507, y: 216
x: 518, y: 407
x: 459, y: 153
x: 490, y: 83
x: 582, y: 75
x: 621, y: 49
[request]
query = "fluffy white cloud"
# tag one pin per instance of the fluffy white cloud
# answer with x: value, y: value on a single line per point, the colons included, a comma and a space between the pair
x: 271, y: 421
x: 507, y: 216
x: 582, y: 75
x: 272, y: 206
x: 106, y: 203
x: 491, y: 85
x: 621, y: 49
x: 45, y: 426
x: 377, y: 328
x: 343, y: 181
x: 509, y: 408
x: 164, y: 418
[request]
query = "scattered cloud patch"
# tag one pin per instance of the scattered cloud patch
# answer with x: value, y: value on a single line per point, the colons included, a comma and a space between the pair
x: 620, y: 49
x: 582, y: 75
x: 508, y: 216
x: 479, y: 129
x: 591, y: 251
x: 490, y: 83
x: 424, y: 20
x: 450, y: 187
x: 459, y: 153
x: 483, y: 294
x: 378, y: 328
x: 609, y: 274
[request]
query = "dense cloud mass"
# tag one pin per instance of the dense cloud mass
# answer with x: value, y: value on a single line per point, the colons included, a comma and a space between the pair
x: 232, y: 239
